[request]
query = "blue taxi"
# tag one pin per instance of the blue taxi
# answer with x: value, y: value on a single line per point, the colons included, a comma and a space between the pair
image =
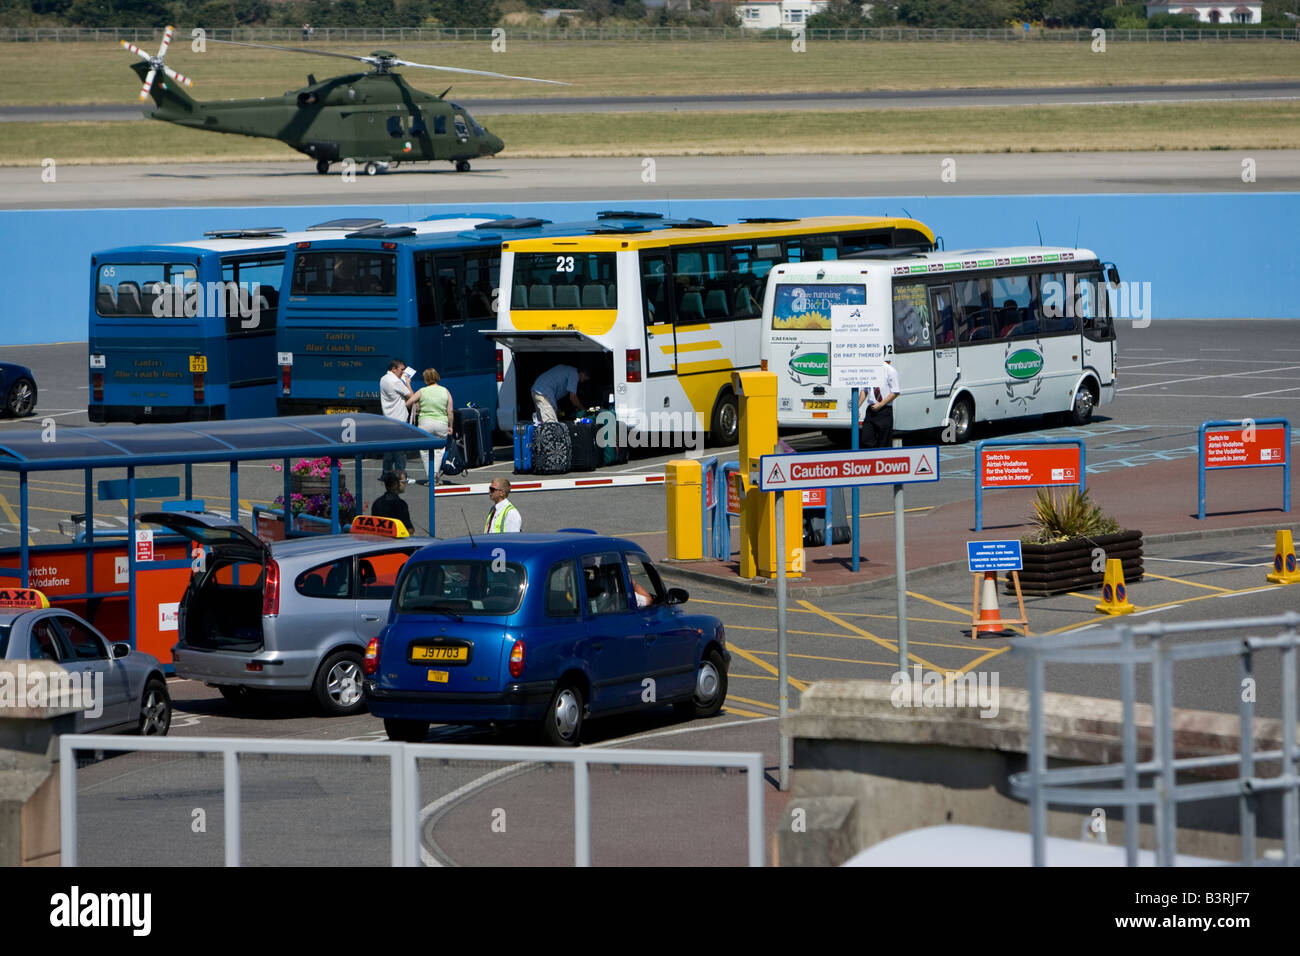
x: 546, y: 628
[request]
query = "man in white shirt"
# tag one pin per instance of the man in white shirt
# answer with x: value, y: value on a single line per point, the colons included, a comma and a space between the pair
x: 504, y: 516
x: 393, y: 393
x: 878, y: 412
x: 553, y: 386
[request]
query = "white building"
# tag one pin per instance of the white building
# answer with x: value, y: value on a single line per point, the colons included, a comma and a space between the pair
x: 771, y: 14
x: 1247, y: 11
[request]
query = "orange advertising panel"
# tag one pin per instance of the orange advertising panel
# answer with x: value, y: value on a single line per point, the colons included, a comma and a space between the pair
x: 1029, y: 466
x: 814, y: 497
x: 733, y: 493
x: 1231, y: 448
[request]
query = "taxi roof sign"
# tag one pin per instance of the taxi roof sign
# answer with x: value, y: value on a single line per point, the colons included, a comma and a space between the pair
x: 383, y: 527
x: 22, y: 598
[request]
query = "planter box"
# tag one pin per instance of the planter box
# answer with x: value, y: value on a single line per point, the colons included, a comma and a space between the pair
x: 1067, y: 565
x: 309, y: 486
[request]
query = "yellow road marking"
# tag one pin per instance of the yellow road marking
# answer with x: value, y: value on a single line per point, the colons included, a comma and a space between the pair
x: 856, y: 637
x: 731, y: 676
x: 798, y: 610
x: 753, y: 659
x: 1154, y: 607
x: 980, y: 660
x: 1194, y: 584
x: 1086, y: 597
x: 886, y: 514
x: 837, y: 660
x: 756, y: 703
x: 13, y: 517
x: 727, y: 708
x: 937, y: 603
x: 888, y: 645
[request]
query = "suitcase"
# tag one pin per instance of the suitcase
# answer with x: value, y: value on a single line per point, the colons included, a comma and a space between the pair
x: 611, y: 452
x: 524, y: 448
x: 552, y: 449
x: 475, y: 435
x: 585, y: 454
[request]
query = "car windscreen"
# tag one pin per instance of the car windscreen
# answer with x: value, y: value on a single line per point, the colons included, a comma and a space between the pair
x: 462, y: 587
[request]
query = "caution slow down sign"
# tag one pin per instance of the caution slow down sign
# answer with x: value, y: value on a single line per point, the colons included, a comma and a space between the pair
x: 879, y: 466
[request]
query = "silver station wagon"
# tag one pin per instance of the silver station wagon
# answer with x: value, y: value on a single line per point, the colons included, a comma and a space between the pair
x: 290, y: 615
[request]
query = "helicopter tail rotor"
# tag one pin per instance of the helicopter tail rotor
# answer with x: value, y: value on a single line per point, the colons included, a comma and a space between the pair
x: 156, y: 64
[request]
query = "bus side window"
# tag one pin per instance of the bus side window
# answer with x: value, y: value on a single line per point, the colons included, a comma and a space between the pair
x: 654, y: 287
x: 911, y: 317
x: 972, y: 301
x: 482, y: 276
x: 448, y: 292
x: 1058, y: 309
x: 424, y: 288
x: 1011, y: 301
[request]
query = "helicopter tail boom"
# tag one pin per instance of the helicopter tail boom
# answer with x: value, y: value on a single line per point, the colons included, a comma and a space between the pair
x: 171, y: 102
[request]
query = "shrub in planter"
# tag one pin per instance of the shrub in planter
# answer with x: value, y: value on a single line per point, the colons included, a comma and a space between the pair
x: 1070, y: 542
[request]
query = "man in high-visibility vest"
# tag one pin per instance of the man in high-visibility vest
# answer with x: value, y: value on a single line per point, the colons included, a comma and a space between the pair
x: 504, y: 516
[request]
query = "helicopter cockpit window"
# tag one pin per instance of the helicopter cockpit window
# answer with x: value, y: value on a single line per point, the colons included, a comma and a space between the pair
x: 461, y: 129
x: 478, y: 130
x: 147, y: 289
x: 440, y: 125
x: 394, y: 125
x: 418, y: 128
x: 343, y: 273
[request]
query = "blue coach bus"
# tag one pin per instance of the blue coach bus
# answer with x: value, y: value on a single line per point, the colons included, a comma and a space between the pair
x: 186, y: 331
x: 423, y: 299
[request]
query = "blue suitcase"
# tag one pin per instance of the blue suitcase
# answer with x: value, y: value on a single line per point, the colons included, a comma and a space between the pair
x: 524, y: 448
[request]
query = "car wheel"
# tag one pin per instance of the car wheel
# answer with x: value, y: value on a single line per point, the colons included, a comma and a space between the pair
x: 21, y: 400
x: 338, y: 684
x: 1081, y: 412
x: 562, y: 725
x: 406, y: 731
x: 710, y: 688
x: 155, y: 710
x: 725, y: 426
x: 961, y: 420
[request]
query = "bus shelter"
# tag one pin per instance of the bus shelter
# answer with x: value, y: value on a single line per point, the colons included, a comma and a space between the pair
x: 97, y: 575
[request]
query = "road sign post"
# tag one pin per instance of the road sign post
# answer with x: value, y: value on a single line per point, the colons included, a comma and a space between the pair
x: 1249, y: 443
x: 796, y: 472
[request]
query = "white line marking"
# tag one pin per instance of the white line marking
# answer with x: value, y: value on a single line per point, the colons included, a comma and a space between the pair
x: 1152, y: 610
x: 1271, y: 587
x: 1125, y: 368
x: 1293, y: 388
x: 1220, y: 350
x: 1201, y: 378
x: 1225, y: 564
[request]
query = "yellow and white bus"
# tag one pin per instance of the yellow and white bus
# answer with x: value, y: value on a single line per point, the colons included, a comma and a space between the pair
x: 974, y: 335
x: 660, y: 314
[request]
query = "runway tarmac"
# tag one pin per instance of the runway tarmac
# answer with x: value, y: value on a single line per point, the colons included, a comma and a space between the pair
x: 504, y: 180
x: 866, y: 99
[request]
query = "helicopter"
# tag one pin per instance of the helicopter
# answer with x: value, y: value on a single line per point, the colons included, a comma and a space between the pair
x: 373, y: 118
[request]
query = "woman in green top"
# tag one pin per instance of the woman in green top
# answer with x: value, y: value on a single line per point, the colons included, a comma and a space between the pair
x: 434, y: 416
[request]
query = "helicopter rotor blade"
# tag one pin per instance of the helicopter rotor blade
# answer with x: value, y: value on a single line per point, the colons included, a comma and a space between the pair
x: 166, y: 42
x: 179, y: 78
x: 136, y: 50
x: 148, y: 84
x: 296, y: 49
x: 457, y: 69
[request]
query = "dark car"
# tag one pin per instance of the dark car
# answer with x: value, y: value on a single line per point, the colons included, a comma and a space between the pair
x: 18, y: 387
x: 546, y: 628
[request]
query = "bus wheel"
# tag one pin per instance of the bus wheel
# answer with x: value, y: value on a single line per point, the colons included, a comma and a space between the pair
x: 322, y: 166
x: 725, y: 427
x: 960, y: 420
x: 1081, y: 412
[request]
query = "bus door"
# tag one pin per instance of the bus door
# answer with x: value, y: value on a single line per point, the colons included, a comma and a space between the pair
x: 943, y: 318
x: 448, y: 294
x: 660, y: 330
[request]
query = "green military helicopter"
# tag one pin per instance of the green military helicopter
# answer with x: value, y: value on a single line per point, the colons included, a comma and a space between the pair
x: 373, y: 118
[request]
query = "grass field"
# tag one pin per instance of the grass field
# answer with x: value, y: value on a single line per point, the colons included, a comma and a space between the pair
x: 985, y: 129
x: 83, y: 73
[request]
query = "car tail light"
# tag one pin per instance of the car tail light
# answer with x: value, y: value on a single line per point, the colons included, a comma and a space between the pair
x: 286, y: 378
x: 97, y: 386
x: 198, y: 387
x: 271, y: 591
x: 517, y: 659
x: 303, y: 245
x: 371, y: 664
x: 634, y: 365
x: 501, y: 366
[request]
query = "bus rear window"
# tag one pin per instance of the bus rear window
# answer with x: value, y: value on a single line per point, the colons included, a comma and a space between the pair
x: 808, y: 307
x: 564, y: 280
x: 142, y: 289
x: 344, y: 273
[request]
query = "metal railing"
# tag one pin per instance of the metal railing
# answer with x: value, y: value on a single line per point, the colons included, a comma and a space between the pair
x: 404, y: 784
x: 647, y: 34
x: 1095, y: 786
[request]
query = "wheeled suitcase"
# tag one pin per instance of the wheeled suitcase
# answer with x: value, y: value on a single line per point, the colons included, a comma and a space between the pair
x: 552, y: 449
x: 585, y: 454
x: 524, y: 448
x: 611, y: 452
x: 475, y: 435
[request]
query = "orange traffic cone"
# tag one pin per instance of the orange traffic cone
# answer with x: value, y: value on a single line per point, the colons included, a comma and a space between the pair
x: 1114, y: 596
x: 990, y: 618
x: 1284, y: 563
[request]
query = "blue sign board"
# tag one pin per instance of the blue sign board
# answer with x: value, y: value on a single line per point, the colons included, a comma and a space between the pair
x: 993, y: 556
x: 168, y: 486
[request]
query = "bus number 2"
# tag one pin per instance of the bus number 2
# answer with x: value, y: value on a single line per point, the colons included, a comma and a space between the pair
x: 564, y: 263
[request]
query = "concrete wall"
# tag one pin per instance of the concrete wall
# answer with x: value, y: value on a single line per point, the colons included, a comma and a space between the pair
x: 1205, y: 255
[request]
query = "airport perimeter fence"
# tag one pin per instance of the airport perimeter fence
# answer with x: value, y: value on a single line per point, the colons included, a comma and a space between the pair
x: 640, y: 34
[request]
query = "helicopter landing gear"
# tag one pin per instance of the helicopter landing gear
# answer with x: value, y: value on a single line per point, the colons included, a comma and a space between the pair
x: 462, y: 165
x: 372, y: 168
x: 322, y: 166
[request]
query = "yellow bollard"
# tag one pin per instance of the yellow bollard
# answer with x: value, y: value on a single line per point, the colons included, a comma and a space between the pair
x: 1284, y: 564
x: 756, y: 395
x: 1114, y: 596
x: 682, y: 479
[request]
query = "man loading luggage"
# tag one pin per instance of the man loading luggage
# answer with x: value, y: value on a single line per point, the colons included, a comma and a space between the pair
x: 552, y: 386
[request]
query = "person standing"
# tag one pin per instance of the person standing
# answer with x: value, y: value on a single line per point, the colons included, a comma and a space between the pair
x: 390, y: 503
x: 553, y: 386
x: 436, y: 415
x: 877, y: 424
x: 503, y: 515
x: 393, y: 393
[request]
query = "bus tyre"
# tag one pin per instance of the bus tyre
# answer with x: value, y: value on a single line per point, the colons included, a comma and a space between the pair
x: 1080, y: 412
x: 960, y: 420
x: 724, y: 429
